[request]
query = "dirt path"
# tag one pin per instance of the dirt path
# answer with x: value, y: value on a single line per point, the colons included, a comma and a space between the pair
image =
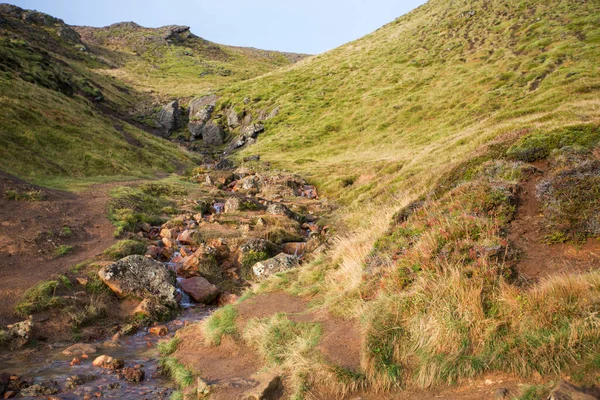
x: 31, y: 231
x: 538, y: 259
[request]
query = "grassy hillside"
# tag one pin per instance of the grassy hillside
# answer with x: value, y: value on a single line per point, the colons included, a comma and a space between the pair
x: 389, y: 113
x: 445, y: 135
x: 173, y: 61
x: 62, y: 114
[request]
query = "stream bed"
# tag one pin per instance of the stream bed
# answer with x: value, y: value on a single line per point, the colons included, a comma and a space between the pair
x: 138, y: 350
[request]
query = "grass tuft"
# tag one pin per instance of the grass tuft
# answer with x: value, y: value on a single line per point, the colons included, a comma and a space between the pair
x: 220, y: 323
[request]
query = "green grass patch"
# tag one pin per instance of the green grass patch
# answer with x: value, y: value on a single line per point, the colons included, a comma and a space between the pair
x: 62, y: 250
x: 42, y: 296
x: 124, y: 248
x: 220, y: 323
x: 131, y: 207
x: 31, y: 195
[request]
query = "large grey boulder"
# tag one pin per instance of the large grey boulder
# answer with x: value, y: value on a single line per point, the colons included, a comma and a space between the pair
x: 279, y: 263
x: 232, y: 119
x: 252, y: 131
x: 169, y: 118
x: 213, y: 134
x: 201, y: 108
x: 140, y: 277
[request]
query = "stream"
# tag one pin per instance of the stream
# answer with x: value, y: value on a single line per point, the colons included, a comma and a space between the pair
x: 51, y: 364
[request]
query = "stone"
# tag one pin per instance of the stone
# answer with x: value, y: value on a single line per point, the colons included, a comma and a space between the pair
x: 169, y: 233
x: 10, y: 394
x: 566, y: 391
x: 296, y: 249
x: 200, y: 289
x: 279, y: 263
x: 79, y: 349
x: 19, y: 334
x: 75, y: 361
x: 159, y: 330
x: 270, y: 387
x: 191, y: 237
x: 108, y: 362
x: 201, y: 108
x: 500, y: 394
x: 140, y: 277
x: 45, y: 388
x: 213, y: 135
x: 232, y: 204
x: 169, y: 118
x: 227, y: 299
x: 132, y: 374
x: 252, y: 131
x: 251, y: 158
x: 250, y: 182
x: 153, y: 309
x: 232, y: 119
x: 280, y: 209
x: 257, y: 246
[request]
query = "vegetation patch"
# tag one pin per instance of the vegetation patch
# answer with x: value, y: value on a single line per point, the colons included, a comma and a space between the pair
x: 124, y: 248
x: 31, y: 195
x: 62, y: 250
x: 130, y: 207
x: 42, y: 296
x: 220, y: 323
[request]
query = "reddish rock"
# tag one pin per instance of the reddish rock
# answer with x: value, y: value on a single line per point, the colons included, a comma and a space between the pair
x: 167, y: 233
x: 199, y: 289
x: 75, y: 361
x: 159, y: 330
x: 227, y: 298
x: 294, y: 249
x: 152, y: 251
x: 168, y: 242
x: 79, y: 349
x: 10, y: 394
x: 188, y: 237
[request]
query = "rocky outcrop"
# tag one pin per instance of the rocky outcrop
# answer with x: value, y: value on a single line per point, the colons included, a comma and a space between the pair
x: 200, y: 126
x: 279, y: 263
x: 140, y: 277
x: 566, y: 391
x: 200, y: 290
x: 169, y: 118
x: 79, y: 349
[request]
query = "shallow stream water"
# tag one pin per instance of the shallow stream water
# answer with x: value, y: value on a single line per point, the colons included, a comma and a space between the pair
x: 138, y: 349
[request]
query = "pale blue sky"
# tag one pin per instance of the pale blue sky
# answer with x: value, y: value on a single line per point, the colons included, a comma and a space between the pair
x: 303, y: 26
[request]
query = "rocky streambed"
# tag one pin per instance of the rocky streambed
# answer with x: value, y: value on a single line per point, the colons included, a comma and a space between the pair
x: 242, y: 228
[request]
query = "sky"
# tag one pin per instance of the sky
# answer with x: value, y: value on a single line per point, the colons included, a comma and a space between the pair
x: 305, y: 26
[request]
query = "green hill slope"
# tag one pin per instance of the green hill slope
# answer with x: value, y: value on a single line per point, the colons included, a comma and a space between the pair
x: 173, y: 61
x: 62, y: 115
x: 390, y: 112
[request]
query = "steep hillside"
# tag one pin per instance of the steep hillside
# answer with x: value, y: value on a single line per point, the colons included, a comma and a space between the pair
x: 388, y: 113
x: 173, y: 61
x: 462, y: 142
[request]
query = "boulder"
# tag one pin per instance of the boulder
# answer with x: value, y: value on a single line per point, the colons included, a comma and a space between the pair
x: 258, y: 246
x: 140, y: 277
x: 269, y: 386
x: 169, y: 118
x: 45, y: 388
x: 296, y: 249
x: 212, y: 134
x: 566, y: 391
x: 201, y: 108
x: 200, y: 290
x: 252, y: 131
x: 79, y: 349
x: 232, y: 119
x: 152, y: 309
x: 279, y: 263
x: 190, y: 236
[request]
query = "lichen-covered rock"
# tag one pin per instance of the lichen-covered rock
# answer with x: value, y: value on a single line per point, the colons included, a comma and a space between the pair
x: 279, y: 263
x: 252, y: 131
x: 232, y: 119
x: 200, y: 290
x: 201, y: 108
x: 140, y: 277
x: 169, y: 118
x: 19, y: 334
x: 45, y: 388
x: 232, y: 204
x: 132, y: 374
x: 280, y: 209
